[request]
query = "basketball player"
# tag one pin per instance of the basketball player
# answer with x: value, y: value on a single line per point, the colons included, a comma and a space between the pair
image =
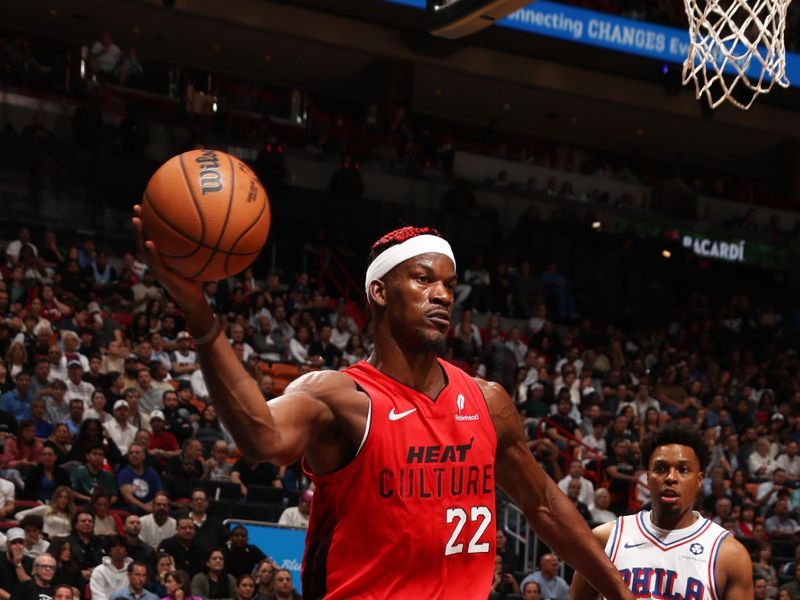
x: 672, y: 551
x: 404, y: 448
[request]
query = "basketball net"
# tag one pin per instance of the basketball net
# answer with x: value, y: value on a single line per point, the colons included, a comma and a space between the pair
x: 736, y: 49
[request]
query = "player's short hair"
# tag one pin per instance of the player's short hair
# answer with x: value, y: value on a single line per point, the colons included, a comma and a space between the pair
x: 398, y: 236
x: 676, y: 433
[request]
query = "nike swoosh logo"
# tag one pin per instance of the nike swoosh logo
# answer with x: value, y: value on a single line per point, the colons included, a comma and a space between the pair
x: 393, y: 416
x: 629, y: 545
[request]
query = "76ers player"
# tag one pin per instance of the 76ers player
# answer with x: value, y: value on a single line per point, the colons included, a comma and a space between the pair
x: 404, y: 449
x: 672, y: 552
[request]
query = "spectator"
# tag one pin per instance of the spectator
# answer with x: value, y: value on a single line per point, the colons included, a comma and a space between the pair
x: 245, y: 587
x: 137, y: 549
x: 793, y: 586
x: 586, y: 495
x: 247, y: 473
x: 40, y: 585
x: 184, y: 548
x: 178, y: 586
x: 531, y: 591
x: 137, y: 482
x: 137, y: 577
x: 35, y: 545
x: 211, y: 533
x: 15, y: 567
x: 112, y: 574
x: 760, y: 462
x: 240, y: 555
x: 780, y: 525
x: 215, y: 583
x: 158, y: 526
x: 41, y: 427
x: 67, y: 570
x: 106, y: 57
x: 106, y: 523
x: 297, y: 516
x: 58, y: 515
x: 97, y: 409
x: 24, y: 451
x: 7, y: 498
x: 75, y: 419
x: 789, y: 461
x: 264, y: 573
x: 87, y: 548
x: 89, y: 477
x: 283, y: 586
x: 18, y: 401
x: 76, y: 386
x: 217, y: 468
x: 767, y: 492
x: 552, y: 585
x: 600, y: 513
x: 54, y: 398
x: 762, y: 567
x: 120, y: 431
x: 184, y: 359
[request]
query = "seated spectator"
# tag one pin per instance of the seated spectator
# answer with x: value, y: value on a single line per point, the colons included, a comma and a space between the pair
x: 138, y: 483
x: 67, y: 570
x: 211, y: 430
x: 211, y: 533
x: 158, y: 526
x: 185, y: 470
x: 40, y: 585
x: 87, y: 548
x: 599, y: 512
x: 97, y: 409
x: 324, y: 347
x: 264, y: 572
x: 15, y: 246
x: 246, y: 473
x: 505, y: 551
x: 106, y: 523
x: 503, y: 581
x: 178, y: 586
x: 283, y: 586
x: 762, y: 567
x: 184, y: 359
x: 623, y: 475
x: 105, y: 57
x: 24, y: 451
x: 58, y: 515
x: 245, y: 587
x: 18, y: 400
x: 137, y: 416
x: 55, y: 400
x: 7, y: 498
x: 75, y: 419
x: 163, y: 444
x: 15, y: 567
x: 41, y: 427
x: 76, y: 386
x: 87, y: 478
x: 217, y: 468
x: 297, y: 516
x: 184, y: 548
x: 793, y: 586
x: 531, y: 591
x: 551, y: 584
x: 767, y: 492
x: 137, y: 549
x: 215, y: 583
x: 134, y: 590
x: 241, y: 556
x: 780, y: 525
x: 789, y: 461
x: 112, y: 574
x: 35, y: 544
x: 573, y: 494
x: 760, y: 463
x: 586, y: 495
x: 119, y: 430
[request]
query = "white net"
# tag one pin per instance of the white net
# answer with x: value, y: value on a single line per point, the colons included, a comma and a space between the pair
x: 736, y: 49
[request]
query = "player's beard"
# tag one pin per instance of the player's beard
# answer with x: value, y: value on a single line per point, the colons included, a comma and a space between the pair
x: 434, y: 343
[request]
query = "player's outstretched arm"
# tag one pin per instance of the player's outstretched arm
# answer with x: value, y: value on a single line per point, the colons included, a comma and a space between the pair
x: 734, y: 571
x: 580, y: 589
x: 278, y: 433
x: 547, y: 509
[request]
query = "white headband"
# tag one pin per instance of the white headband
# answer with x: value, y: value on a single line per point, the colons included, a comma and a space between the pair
x: 394, y: 255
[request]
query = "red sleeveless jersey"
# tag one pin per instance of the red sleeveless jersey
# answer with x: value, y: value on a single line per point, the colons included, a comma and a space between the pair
x: 413, y: 515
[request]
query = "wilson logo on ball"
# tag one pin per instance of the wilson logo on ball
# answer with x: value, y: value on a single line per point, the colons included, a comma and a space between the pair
x: 210, y: 175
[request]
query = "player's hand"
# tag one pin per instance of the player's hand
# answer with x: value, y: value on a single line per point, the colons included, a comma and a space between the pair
x: 186, y: 292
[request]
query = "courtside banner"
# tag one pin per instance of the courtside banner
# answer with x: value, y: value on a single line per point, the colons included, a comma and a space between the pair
x: 602, y: 30
x: 284, y: 545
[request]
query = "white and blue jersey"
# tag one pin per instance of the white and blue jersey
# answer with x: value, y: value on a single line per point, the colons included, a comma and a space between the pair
x: 677, y: 564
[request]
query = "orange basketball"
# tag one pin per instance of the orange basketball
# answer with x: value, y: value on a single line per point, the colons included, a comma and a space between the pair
x: 208, y: 214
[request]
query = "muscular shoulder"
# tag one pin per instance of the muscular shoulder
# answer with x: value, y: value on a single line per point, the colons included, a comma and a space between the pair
x: 732, y: 560
x: 603, y: 532
x: 504, y: 414
x: 329, y: 387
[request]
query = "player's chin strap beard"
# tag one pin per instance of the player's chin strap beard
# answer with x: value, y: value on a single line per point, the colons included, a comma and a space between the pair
x: 394, y: 255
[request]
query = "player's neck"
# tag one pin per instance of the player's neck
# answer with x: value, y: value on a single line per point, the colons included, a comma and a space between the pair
x: 417, y: 370
x: 673, y: 521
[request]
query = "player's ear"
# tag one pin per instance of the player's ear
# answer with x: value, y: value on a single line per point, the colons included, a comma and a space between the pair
x: 377, y: 292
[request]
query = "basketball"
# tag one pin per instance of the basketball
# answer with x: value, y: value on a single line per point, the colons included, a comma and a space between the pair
x: 207, y: 213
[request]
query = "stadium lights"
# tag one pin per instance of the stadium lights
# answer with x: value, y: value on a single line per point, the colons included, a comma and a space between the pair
x: 666, y: 253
